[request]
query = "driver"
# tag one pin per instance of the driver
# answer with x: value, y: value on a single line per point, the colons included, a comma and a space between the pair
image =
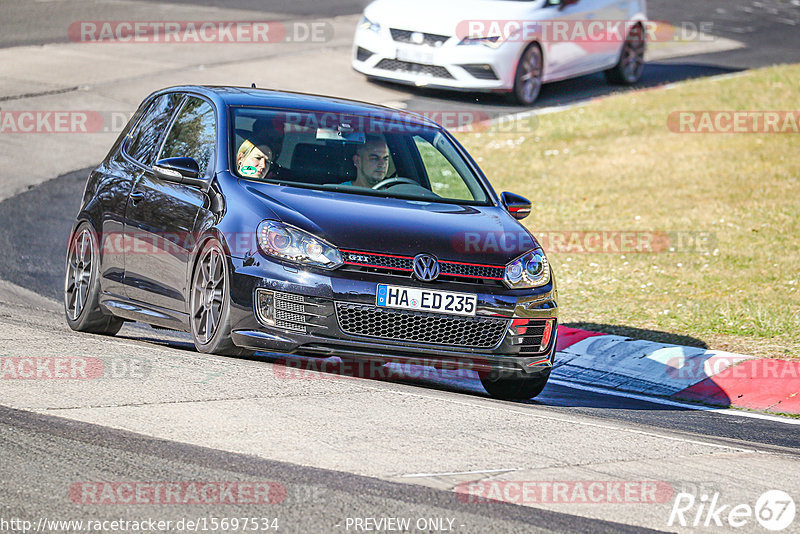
x: 371, y: 161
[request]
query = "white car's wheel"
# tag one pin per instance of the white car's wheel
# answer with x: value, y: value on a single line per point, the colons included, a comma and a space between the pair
x: 630, y: 67
x: 528, y: 78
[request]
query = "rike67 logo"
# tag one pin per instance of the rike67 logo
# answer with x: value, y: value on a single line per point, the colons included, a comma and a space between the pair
x: 774, y: 510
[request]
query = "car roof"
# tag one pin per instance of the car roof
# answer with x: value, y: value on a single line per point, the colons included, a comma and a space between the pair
x: 257, y: 97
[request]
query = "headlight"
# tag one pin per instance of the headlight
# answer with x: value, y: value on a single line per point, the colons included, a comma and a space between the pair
x: 529, y: 270
x: 492, y: 42
x: 367, y: 24
x: 292, y: 244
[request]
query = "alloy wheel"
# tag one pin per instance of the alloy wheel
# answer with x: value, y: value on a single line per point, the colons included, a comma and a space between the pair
x: 79, y: 273
x: 632, y: 64
x: 208, y: 294
x: 529, y: 75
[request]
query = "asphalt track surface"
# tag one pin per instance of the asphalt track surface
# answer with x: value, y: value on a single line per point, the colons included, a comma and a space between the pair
x: 34, y: 227
x: 22, y: 21
x: 312, y: 495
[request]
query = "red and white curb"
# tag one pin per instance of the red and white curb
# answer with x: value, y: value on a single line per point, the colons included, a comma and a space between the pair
x: 677, y: 372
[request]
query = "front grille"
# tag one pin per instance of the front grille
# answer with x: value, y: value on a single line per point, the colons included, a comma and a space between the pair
x: 534, y: 336
x: 362, y: 54
x: 405, y: 265
x: 284, y: 310
x: 430, y: 39
x: 289, y: 306
x: 395, y: 263
x: 414, y: 68
x: 420, y: 327
x: 480, y: 71
x: 472, y: 270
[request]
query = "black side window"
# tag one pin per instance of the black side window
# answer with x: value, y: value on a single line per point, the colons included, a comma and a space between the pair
x: 143, y: 141
x: 193, y: 135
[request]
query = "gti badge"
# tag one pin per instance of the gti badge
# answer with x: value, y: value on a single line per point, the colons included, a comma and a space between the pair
x: 426, y: 267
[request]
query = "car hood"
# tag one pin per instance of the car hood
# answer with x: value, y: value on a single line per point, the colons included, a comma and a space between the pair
x: 470, y: 234
x: 442, y: 17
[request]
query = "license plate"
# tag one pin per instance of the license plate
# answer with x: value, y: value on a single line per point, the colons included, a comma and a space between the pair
x: 428, y: 300
x: 414, y: 55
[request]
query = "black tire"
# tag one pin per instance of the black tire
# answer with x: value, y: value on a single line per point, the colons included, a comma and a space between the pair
x: 82, y: 285
x: 630, y: 66
x: 514, y: 387
x: 210, y: 320
x: 528, y: 76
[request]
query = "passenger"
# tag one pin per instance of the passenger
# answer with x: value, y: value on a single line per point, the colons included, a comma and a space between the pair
x: 371, y: 161
x: 253, y: 159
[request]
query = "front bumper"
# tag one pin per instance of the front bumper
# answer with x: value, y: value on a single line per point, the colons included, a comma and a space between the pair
x: 323, y: 297
x: 439, y: 67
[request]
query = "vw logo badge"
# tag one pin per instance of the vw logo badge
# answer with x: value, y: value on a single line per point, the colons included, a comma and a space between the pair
x: 426, y: 267
x: 417, y: 38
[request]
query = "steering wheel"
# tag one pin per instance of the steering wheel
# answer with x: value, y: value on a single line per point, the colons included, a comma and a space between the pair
x: 388, y: 182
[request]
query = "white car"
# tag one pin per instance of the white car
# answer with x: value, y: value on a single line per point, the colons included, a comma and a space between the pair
x: 509, y: 46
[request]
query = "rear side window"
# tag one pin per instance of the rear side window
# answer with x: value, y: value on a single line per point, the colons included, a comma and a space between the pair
x: 193, y: 134
x: 144, y: 139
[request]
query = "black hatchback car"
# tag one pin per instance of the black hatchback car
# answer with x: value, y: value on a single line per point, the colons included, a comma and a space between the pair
x: 292, y: 223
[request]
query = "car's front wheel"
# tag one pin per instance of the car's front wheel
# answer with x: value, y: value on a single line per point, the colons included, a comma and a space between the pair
x: 210, y: 303
x: 82, y: 285
x: 528, y: 77
x: 519, y: 386
x: 630, y: 67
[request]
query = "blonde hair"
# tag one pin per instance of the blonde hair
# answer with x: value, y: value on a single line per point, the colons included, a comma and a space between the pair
x: 247, y: 147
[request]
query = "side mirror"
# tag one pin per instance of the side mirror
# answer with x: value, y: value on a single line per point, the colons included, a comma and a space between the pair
x: 519, y: 207
x: 179, y: 170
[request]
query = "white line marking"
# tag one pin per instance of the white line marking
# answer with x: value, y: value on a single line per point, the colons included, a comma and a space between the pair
x: 503, y: 406
x: 460, y: 473
x: 658, y: 400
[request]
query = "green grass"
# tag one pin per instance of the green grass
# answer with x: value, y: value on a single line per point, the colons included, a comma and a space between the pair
x: 444, y: 178
x: 614, y: 165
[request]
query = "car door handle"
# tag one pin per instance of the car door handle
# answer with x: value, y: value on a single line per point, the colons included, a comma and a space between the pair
x: 137, y: 196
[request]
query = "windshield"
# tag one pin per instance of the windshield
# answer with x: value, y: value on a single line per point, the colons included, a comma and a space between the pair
x: 352, y: 154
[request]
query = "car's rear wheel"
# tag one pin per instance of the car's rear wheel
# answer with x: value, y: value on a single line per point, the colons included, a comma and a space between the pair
x: 210, y: 303
x: 82, y: 285
x: 514, y: 387
x: 630, y: 67
x: 528, y: 78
